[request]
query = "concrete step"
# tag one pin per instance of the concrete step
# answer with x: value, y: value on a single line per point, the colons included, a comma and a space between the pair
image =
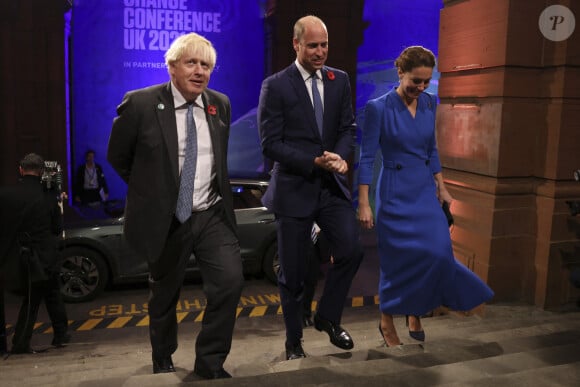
x: 564, y: 375
x: 454, y: 343
x: 417, y: 370
x: 83, y: 354
x: 380, y: 361
x: 71, y: 363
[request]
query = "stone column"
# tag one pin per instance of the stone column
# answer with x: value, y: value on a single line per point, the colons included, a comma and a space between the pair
x: 509, y: 138
x: 32, y: 75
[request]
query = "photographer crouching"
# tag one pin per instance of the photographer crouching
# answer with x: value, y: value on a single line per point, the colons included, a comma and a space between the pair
x: 31, y: 223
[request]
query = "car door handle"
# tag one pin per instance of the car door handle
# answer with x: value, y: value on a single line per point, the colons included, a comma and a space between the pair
x: 266, y: 221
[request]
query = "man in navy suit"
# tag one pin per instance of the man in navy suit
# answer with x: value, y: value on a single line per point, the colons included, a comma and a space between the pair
x: 308, y: 181
x: 159, y: 131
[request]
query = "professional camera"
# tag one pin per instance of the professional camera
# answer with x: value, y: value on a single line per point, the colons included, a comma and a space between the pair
x: 52, y: 176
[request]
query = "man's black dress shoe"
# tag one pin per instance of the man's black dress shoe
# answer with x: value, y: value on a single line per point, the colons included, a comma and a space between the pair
x: 206, y: 374
x: 61, y: 340
x: 338, y: 336
x: 163, y: 365
x: 294, y: 352
x: 307, y: 322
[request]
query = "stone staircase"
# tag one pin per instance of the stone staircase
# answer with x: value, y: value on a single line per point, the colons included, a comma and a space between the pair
x: 511, y: 345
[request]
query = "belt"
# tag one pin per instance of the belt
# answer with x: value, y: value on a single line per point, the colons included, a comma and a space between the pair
x: 405, y: 164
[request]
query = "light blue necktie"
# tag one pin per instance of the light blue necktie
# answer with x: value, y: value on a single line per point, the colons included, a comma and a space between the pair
x: 317, y: 102
x: 185, y: 197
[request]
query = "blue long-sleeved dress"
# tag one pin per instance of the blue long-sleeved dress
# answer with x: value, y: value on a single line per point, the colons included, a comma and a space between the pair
x: 418, y: 270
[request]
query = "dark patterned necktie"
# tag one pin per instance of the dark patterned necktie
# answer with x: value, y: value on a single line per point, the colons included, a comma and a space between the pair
x: 185, y: 197
x: 317, y: 102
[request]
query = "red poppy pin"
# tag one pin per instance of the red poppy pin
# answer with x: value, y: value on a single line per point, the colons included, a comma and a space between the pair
x: 211, y: 109
x: 330, y: 75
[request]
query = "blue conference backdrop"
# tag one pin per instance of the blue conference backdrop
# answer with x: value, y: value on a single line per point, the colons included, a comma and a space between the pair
x: 118, y: 45
x: 392, y: 25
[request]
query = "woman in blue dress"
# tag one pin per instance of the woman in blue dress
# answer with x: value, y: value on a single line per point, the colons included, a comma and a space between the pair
x: 417, y: 269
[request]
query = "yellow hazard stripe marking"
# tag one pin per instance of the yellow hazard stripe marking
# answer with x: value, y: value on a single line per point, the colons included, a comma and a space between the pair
x: 181, y: 316
x: 258, y: 311
x: 357, y: 301
x: 119, y: 322
x: 144, y: 322
x: 89, y: 324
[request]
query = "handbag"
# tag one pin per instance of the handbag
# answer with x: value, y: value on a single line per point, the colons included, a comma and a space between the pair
x: 447, y: 212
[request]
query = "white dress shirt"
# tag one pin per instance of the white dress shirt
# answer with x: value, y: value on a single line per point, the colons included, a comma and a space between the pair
x: 306, y: 76
x: 204, y: 193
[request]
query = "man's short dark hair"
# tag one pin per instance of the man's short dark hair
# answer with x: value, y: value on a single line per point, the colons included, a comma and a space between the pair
x: 32, y: 163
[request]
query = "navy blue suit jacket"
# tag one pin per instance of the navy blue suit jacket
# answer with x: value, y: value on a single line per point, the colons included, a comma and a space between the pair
x: 290, y: 137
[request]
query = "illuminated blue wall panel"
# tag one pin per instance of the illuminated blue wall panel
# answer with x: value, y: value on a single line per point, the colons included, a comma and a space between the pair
x: 118, y: 45
x: 392, y: 25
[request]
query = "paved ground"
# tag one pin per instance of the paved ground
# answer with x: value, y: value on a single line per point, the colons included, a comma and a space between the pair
x: 502, y: 345
x: 509, y: 345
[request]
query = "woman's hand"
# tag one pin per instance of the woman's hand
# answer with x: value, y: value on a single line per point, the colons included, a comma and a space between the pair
x: 365, y: 216
x: 444, y: 196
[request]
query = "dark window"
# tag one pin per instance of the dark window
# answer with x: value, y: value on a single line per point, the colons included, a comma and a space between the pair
x: 247, y: 196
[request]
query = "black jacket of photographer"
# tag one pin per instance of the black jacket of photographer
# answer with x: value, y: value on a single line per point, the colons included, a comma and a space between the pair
x: 29, y: 214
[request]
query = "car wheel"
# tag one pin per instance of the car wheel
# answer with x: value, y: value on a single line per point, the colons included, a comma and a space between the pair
x: 271, y: 263
x: 83, y: 274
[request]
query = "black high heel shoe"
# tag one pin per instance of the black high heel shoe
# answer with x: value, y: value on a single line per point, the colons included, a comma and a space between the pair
x: 417, y: 335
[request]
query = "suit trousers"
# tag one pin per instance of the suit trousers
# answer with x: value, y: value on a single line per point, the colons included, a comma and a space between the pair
x: 207, y: 235
x: 336, y: 217
x: 34, y: 293
x: 310, y: 280
x: 319, y: 254
x: 90, y: 196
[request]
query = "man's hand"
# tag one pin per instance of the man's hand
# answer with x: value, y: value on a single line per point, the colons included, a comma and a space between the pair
x: 332, y: 162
